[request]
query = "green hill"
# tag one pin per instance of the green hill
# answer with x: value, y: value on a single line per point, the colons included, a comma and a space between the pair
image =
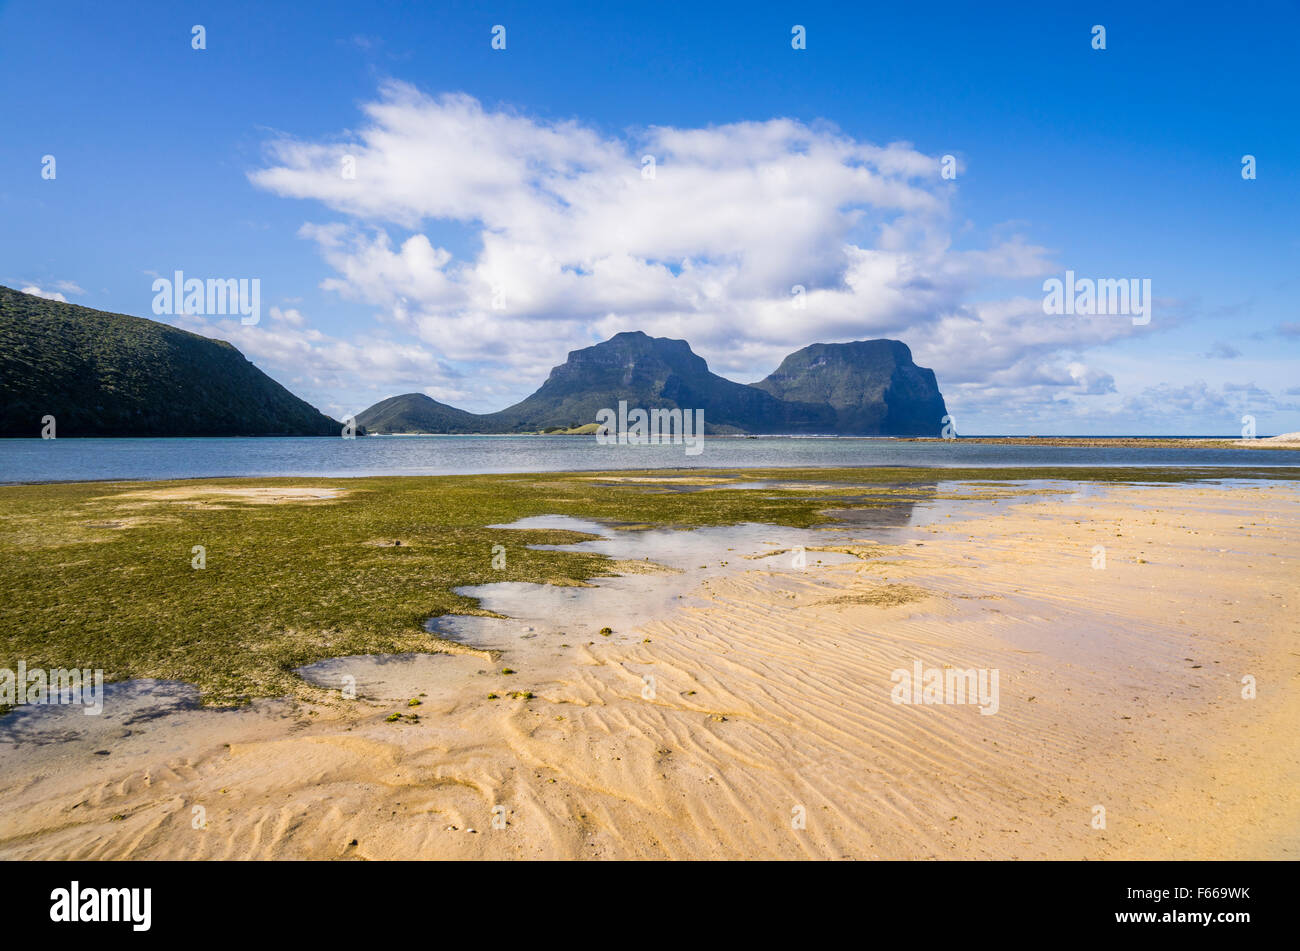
x: 417, y: 413
x: 102, y: 374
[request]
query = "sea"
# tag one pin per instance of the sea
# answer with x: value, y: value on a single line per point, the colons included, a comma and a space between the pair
x: 68, y: 459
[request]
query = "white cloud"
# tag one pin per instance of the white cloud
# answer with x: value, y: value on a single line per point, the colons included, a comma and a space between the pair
x: 328, y: 372
x: 290, y: 316
x: 48, y: 295
x: 62, y: 289
x: 453, y: 205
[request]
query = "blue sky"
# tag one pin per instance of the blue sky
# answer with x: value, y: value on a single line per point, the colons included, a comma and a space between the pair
x: 518, y: 170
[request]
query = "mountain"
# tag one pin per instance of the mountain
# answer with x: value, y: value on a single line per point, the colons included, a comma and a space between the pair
x: 417, y: 413
x: 653, y: 372
x: 870, y: 387
x: 873, y: 386
x: 102, y: 374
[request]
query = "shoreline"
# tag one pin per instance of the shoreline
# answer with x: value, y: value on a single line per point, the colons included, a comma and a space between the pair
x: 874, y: 473
x: 1287, y: 441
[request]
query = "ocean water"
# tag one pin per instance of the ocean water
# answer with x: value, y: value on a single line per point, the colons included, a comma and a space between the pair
x: 57, y: 460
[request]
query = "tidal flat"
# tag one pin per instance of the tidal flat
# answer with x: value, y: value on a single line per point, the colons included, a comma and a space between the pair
x: 656, y: 664
x: 296, y: 571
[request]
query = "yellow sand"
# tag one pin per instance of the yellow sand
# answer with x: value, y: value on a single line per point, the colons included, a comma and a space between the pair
x: 1285, y: 441
x: 254, y: 495
x: 1119, y: 688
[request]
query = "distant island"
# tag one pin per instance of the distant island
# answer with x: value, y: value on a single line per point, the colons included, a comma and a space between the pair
x: 866, y: 388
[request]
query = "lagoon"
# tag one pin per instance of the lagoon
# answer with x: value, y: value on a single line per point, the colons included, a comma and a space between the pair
x: 63, y: 460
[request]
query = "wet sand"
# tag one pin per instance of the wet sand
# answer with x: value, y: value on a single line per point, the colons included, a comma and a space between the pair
x: 740, y: 706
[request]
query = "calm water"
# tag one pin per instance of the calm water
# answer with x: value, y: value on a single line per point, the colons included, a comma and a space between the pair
x: 43, y: 460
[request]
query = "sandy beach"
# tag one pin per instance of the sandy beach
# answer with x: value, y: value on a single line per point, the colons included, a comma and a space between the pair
x: 743, y: 704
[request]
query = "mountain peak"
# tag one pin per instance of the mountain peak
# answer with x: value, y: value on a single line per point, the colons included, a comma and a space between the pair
x: 873, y: 386
x: 639, y: 344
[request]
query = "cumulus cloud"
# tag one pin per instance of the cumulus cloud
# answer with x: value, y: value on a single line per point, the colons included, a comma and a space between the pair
x: 563, y: 235
x: 499, y: 241
x: 1165, y: 404
x: 48, y: 295
x: 61, y: 289
x: 287, y: 316
x: 321, y: 368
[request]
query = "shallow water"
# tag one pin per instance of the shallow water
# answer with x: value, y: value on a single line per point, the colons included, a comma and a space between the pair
x: 392, y: 676
x: 553, y: 615
x: 127, y: 706
x: 143, y: 723
x: 46, y: 460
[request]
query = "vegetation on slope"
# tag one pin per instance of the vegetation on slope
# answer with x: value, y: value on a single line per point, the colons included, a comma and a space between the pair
x: 102, y: 374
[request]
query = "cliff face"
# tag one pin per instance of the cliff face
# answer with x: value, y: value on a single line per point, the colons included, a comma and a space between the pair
x: 873, y: 387
x: 869, y: 388
x: 102, y: 374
